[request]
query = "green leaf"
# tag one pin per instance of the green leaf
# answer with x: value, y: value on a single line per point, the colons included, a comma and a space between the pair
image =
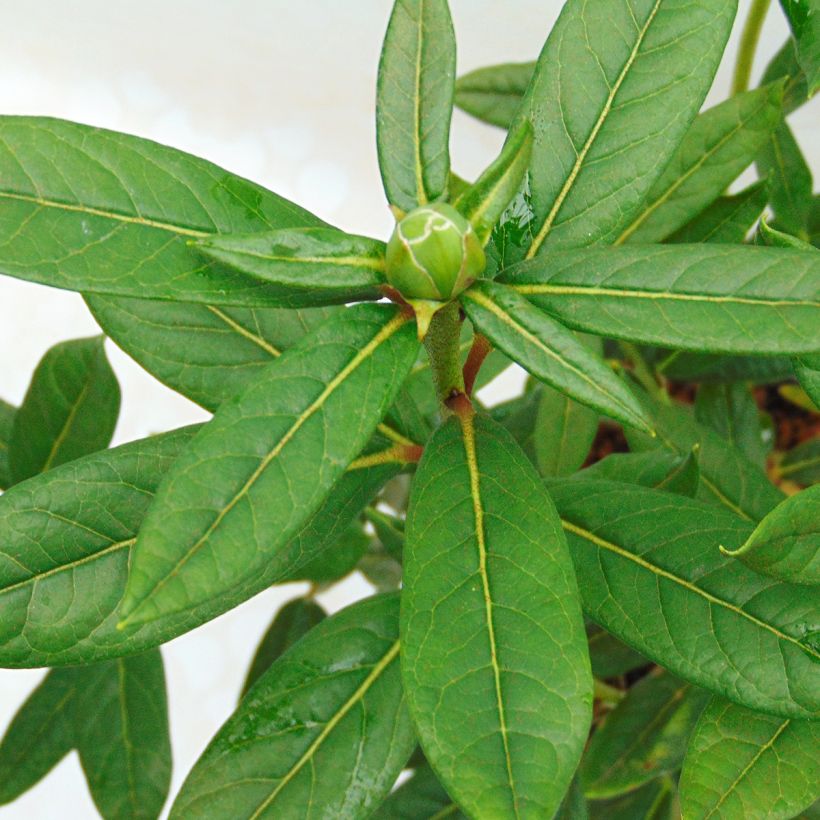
x: 485, y: 201
x: 389, y: 530
x: 600, y: 101
x: 121, y: 732
x: 70, y: 409
x: 717, y: 369
x: 727, y: 220
x: 786, y: 543
x: 727, y: 477
x: 40, y: 735
x: 265, y: 463
x: 608, y: 656
x: 291, y: 623
x: 92, y: 210
x: 643, y: 737
x: 325, y: 727
x: 732, y: 413
x: 804, y: 19
x: 784, y: 64
x: 493, y: 94
x: 205, y: 352
x: 742, y: 763
x: 563, y: 433
x: 494, y: 659
x: 7, y: 412
x: 649, y: 573
x: 421, y: 797
x: 549, y: 351
x: 654, y: 801
x: 65, y: 546
x: 414, y: 102
x: 709, y: 298
x: 790, y: 182
x: 310, y: 266
x: 802, y: 463
x: 716, y: 149
x: 659, y: 469
x: 337, y: 560
x: 768, y: 236
x: 807, y: 370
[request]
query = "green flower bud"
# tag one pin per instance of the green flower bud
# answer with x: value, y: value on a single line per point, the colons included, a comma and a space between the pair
x: 434, y: 253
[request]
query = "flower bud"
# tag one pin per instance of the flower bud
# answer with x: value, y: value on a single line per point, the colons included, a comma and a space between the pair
x: 433, y: 254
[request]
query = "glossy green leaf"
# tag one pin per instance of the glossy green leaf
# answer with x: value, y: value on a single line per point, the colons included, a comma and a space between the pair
x: 659, y: 469
x: 656, y: 800
x: 206, y: 353
x: 292, y: 622
x: 732, y: 413
x: 650, y: 574
x: 518, y: 416
x: 421, y: 797
x: 389, y: 530
x: 716, y: 149
x: 790, y: 182
x: 92, y: 210
x: 414, y: 102
x: 256, y: 473
x: 802, y: 463
x: 311, y: 266
x: 65, y: 544
x: 807, y: 370
x: 727, y: 220
x: 485, y: 201
x: 493, y: 94
x: 7, y: 412
x: 786, y: 543
x: 643, y: 737
x: 804, y: 19
x: 563, y: 433
x: 70, y: 409
x: 727, y: 477
x: 600, y: 101
x: 718, y: 369
x: 549, y: 351
x: 609, y: 656
x: 40, y: 735
x: 121, y: 732
x: 710, y: 298
x: 336, y: 561
x: 324, y: 727
x: 494, y: 658
x: 574, y: 804
x: 746, y: 764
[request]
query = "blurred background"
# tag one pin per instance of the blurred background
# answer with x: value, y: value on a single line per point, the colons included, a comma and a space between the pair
x: 282, y: 93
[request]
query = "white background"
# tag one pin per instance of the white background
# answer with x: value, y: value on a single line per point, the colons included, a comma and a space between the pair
x: 278, y: 91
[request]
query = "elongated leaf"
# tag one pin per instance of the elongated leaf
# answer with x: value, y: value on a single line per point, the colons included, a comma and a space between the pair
x: 337, y: 561
x: 549, y: 351
x: 643, y: 737
x: 7, y: 412
x: 802, y: 464
x: 40, y: 735
x: 415, y: 102
x: 70, y: 409
x: 331, y: 705
x: 494, y: 659
x: 710, y: 298
x: 600, y: 101
x: 718, y: 369
x: 609, y: 656
x: 205, y: 352
x: 786, y: 543
x: 804, y: 19
x: 807, y: 370
x: 732, y: 413
x: 659, y: 469
x: 92, y: 210
x: 654, y: 801
x: 121, y: 732
x: 785, y: 64
x: 727, y: 477
x: 649, y: 573
x: 65, y: 544
x: 422, y: 796
x: 727, y: 220
x: 317, y: 265
x: 790, y: 182
x: 257, y: 472
x: 485, y: 201
x: 719, y: 145
x: 562, y: 433
x: 294, y: 620
x: 746, y: 764
x: 493, y: 94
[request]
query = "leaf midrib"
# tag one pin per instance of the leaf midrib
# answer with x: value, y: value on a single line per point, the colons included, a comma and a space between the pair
x: 670, y: 576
